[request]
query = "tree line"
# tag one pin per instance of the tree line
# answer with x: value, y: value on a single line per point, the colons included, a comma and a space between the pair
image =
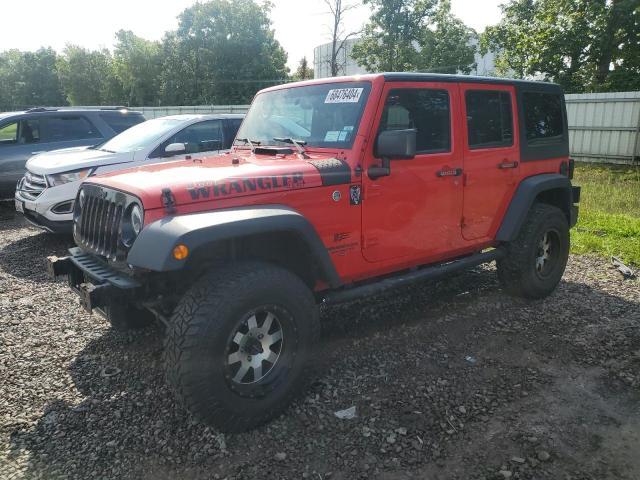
x: 223, y: 51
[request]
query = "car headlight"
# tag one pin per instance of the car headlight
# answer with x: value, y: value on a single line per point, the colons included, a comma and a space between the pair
x: 132, y: 224
x: 66, y: 177
x: 136, y: 219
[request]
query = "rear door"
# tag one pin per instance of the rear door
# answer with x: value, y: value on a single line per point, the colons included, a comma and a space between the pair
x: 491, y: 156
x: 415, y: 211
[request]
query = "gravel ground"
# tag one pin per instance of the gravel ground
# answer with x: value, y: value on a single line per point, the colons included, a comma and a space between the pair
x: 452, y: 380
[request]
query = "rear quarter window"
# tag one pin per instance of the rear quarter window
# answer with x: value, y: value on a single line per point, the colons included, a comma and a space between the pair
x: 543, y: 117
x: 119, y: 122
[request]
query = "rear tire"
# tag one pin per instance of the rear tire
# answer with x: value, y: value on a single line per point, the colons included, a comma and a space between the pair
x: 536, y: 259
x: 238, y: 345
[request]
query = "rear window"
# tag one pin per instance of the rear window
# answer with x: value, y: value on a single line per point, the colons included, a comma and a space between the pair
x: 69, y: 127
x: 543, y: 117
x: 489, y: 119
x: 120, y: 121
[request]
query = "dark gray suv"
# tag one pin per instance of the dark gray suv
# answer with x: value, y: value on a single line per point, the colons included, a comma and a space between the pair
x: 23, y: 134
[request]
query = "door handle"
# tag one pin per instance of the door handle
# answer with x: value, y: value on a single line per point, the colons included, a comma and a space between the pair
x: 449, y: 172
x: 504, y: 165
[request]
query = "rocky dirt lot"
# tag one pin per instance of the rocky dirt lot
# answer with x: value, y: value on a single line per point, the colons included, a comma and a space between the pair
x: 452, y: 380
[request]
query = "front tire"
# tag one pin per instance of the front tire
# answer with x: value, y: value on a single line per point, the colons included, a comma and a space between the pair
x: 536, y: 259
x: 238, y: 345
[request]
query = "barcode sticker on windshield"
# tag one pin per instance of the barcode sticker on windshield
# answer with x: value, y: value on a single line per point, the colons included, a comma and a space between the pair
x: 343, y: 95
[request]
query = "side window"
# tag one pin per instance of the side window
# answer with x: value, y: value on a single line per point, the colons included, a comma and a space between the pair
x: 489, y: 119
x: 23, y: 132
x: 9, y: 134
x: 232, y: 125
x: 426, y: 110
x: 201, y: 137
x: 70, y: 127
x: 543, y: 117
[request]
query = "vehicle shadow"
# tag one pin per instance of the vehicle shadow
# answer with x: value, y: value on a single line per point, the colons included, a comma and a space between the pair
x: 9, y: 220
x: 26, y: 257
x: 128, y: 425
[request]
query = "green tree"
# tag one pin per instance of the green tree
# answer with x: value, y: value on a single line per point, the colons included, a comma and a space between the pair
x: 88, y: 77
x: 394, y: 30
x: 585, y: 45
x: 222, y: 52
x: 419, y: 35
x: 29, y: 79
x: 448, y: 47
x: 138, y: 65
x: 303, y: 72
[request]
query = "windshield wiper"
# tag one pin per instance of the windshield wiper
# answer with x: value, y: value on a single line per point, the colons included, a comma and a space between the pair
x: 105, y: 150
x: 252, y: 143
x: 299, y: 144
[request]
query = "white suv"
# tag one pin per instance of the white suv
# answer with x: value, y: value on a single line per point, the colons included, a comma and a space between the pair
x: 46, y: 193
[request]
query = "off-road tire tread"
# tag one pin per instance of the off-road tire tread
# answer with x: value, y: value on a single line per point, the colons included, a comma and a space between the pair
x: 183, y: 333
x: 512, y: 267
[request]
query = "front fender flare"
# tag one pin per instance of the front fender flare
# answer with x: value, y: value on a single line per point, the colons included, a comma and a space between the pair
x: 153, y: 249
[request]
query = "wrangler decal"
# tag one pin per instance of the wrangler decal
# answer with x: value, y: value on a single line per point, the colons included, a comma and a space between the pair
x: 226, y: 187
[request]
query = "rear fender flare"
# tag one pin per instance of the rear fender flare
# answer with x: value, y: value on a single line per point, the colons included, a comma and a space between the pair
x: 524, y: 197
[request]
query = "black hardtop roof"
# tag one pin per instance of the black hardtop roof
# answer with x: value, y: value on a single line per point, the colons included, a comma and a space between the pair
x: 440, y: 77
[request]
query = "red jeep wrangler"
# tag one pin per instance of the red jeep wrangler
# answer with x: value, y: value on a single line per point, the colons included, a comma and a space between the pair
x: 335, y: 189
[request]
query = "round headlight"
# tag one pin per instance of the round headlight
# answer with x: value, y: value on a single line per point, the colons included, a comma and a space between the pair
x: 81, y: 198
x: 136, y: 219
x: 132, y: 224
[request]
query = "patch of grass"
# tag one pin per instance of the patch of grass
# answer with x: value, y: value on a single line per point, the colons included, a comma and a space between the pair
x: 609, y: 219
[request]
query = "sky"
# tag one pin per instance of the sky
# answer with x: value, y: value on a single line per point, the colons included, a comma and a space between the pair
x: 299, y: 25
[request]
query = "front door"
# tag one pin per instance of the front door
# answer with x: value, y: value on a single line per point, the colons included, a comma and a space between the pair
x: 491, y: 156
x: 415, y: 212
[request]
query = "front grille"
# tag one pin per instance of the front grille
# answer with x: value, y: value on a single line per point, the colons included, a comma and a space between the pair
x: 98, y: 221
x: 32, y: 185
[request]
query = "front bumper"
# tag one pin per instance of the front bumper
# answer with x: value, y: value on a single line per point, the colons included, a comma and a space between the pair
x: 95, y: 282
x: 40, y: 211
x: 40, y: 221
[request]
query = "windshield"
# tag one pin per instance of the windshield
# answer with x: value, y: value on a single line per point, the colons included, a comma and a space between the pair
x: 140, y: 136
x: 321, y: 115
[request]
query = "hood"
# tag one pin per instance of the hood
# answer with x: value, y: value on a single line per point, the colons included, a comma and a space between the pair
x: 68, y: 159
x: 225, y: 176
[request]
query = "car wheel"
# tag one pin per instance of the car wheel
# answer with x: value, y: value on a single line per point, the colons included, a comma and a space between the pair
x: 238, y: 345
x: 536, y: 259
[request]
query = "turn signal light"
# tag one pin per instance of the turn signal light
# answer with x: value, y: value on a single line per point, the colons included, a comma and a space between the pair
x: 180, y: 252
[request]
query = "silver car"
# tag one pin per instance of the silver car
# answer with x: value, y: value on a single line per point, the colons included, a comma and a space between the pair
x: 27, y: 133
x: 46, y: 194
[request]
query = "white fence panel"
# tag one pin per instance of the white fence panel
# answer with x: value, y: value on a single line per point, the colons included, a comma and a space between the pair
x: 155, y: 112
x: 604, y: 127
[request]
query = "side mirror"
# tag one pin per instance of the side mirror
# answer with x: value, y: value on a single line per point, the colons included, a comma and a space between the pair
x: 393, y: 145
x: 396, y: 144
x: 175, y: 149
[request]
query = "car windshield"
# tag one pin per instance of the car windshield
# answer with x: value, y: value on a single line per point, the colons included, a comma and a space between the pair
x: 324, y: 115
x: 140, y: 136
